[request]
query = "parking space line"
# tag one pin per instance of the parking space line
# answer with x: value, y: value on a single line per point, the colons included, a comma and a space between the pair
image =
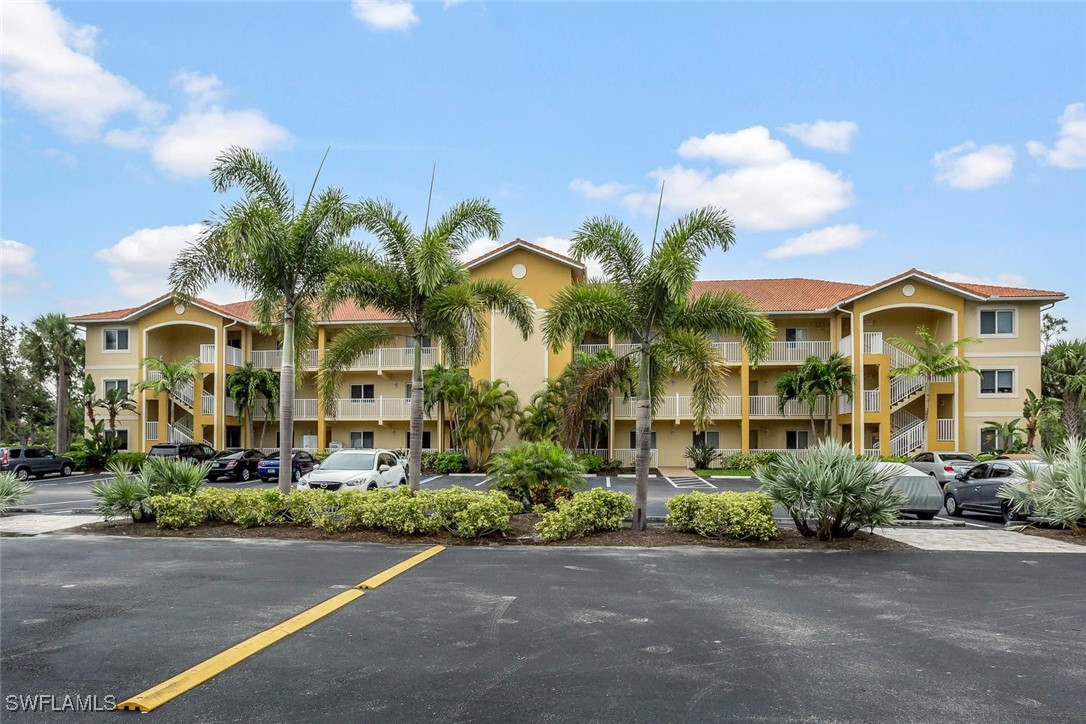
x: 481, y: 482
x: 966, y: 522
x: 670, y: 481
x: 170, y: 689
x: 430, y: 479
x: 608, y: 482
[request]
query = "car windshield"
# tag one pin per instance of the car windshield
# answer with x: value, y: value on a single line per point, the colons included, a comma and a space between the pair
x: 229, y: 455
x: 348, y: 461
x: 962, y: 457
x: 273, y: 456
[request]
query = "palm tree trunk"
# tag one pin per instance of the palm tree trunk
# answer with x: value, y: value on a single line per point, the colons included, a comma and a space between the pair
x: 1070, y: 416
x: 414, y: 453
x: 810, y: 410
x: 927, y: 407
x: 826, y: 421
x: 62, y: 406
x: 644, y: 439
x: 252, y: 426
x: 286, y: 405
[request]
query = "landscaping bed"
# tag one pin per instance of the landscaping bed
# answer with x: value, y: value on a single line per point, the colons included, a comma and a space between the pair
x: 1057, y: 534
x: 521, y: 532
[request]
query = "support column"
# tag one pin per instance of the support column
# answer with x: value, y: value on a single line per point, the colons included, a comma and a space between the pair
x: 744, y: 402
x: 198, y: 411
x: 322, y: 429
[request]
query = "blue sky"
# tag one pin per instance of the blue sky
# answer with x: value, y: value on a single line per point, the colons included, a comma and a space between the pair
x: 849, y: 142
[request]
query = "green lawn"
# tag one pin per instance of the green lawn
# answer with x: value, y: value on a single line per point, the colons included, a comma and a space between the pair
x: 710, y: 473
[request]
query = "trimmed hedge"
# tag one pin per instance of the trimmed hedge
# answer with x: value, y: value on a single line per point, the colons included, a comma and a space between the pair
x: 747, y: 460
x: 742, y: 516
x: 587, y: 512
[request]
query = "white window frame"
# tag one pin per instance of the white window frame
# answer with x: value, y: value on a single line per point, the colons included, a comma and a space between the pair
x: 633, y: 440
x: 363, y: 385
x: 126, y: 330
x: 361, y: 439
x: 127, y: 384
x: 122, y: 432
x: 997, y: 335
x: 1014, y: 382
x: 706, y: 434
x: 807, y: 439
x: 806, y: 335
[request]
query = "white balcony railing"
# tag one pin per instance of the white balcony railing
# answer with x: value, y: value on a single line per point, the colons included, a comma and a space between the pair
x: 872, y: 400
x: 798, y: 351
x: 273, y: 358
x: 207, y: 404
x: 207, y: 354
x: 627, y: 457
x: 873, y: 343
x: 150, y: 430
x: 844, y: 405
x: 230, y: 407
x: 872, y: 452
x: 395, y: 358
x: 766, y: 406
x: 845, y: 346
x: 945, y: 432
x: 186, y: 393
x: 730, y: 352
x: 592, y: 348
x: 234, y: 356
x: 799, y: 453
x: 152, y: 375
x: 677, y: 407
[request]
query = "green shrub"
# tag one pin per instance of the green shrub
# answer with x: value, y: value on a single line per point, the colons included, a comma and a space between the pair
x: 321, y: 455
x: 78, y: 455
x: 1054, y: 489
x: 255, y: 508
x: 894, y: 458
x: 702, y: 456
x: 531, y: 472
x: 175, y: 510
x: 447, y: 463
x: 586, y: 512
x: 831, y: 493
x: 405, y: 514
x: 121, y: 494
x: 166, y: 475
x: 218, y: 503
x: 12, y: 491
x: 741, y: 516
x: 470, y: 513
x: 747, y: 460
x: 429, y: 459
x: 131, y: 460
x: 592, y: 464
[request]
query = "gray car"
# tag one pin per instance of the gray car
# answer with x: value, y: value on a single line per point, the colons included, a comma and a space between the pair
x: 943, y: 466
x: 25, y: 462
x: 975, y: 491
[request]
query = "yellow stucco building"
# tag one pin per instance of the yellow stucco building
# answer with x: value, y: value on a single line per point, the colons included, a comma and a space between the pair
x: 812, y: 317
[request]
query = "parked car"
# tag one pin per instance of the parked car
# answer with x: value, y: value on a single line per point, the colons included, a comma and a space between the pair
x: 27, y: 461
x: 357, y: 470
x: 193, y: 452
x: 235, y: 464
x: 975, y: 491
x: 301, y: 463
x: 925, y: 495
x: 943, y: 466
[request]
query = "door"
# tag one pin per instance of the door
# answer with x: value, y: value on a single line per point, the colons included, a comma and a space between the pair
x: 384, y: 460
x: 924, y: 462
x: 35, y: 460
x: 967, y: 492
x: 999, y: 474
x: 305, y: 462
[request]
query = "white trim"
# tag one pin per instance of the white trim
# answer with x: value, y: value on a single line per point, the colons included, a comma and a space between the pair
x: 127, y: 381
x: 1013, y: 369
x: 520, y: 244
x: 990, y: 415
x: 168, y: 299
x: 932, y: 281
x: 493, y: 317
x: 997, y: 309
x: 111, y: 367
x: 126, y: 350
x: 993, y: 355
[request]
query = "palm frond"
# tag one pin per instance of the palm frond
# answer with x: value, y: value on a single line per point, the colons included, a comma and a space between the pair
x: 504, y: 297
x: 344, y: 348
x: 694, y: 357
x: 593, y: 381
x: 591, y: 307
x: 465, y: 222
x: 730, y: 313
x: 253, y: 172
x: 614, y: 245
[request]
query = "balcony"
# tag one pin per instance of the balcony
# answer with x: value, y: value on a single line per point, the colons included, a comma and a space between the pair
x: 730, y: 352
x: 272, y: 359
x: 677, y: 407
x: 766, y: 406
x: 627, y: 457
x: 150, y: 430
x: 945, y: 430
x: 395, y: 358
x: 796, y: 352
x: 872, y: 400
x: 381, y: 408
x: 873, y: 343
x: 592, y: 348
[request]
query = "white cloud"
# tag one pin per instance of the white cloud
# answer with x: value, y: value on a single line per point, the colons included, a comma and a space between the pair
x: 48, y: 68
x: 788, y: 195
x: 139, y: 263
x: 748, y: 147
x: 1070, y: 150
x: 598, y: 191
x: 1004, y: 280
x: 555, y: 243
x: 189, y: 146
x: 821, y: 241
x: 17, y: 265
x: 967, y: 167
x: 200, y: 88
x: 385, y: 14
x: 827, y: 135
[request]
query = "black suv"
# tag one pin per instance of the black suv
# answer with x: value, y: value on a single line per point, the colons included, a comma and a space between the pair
x: 193, y: 452
x: 36, y: 461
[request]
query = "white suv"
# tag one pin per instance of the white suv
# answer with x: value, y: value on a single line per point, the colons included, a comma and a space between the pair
x: 356, y: 470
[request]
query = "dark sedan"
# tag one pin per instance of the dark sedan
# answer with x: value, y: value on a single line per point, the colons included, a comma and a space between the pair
x: 301, y: 463
x: 975, y: 491
x: 235, y: 464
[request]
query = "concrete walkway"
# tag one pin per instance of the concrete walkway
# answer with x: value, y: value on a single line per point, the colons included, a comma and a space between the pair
x: 32, y: 524
x: 988, y: 541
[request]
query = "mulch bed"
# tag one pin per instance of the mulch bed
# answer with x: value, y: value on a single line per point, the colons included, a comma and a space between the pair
x: 1057, y: 534
x: 521, y: 532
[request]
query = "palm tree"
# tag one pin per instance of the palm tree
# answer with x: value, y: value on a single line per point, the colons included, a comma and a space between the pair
x: 52, y: 349
x: 583, y: 428
x: 447, y: 387
x: 245, y: 386
x: 1006, y: 434
x: 172, y: 378
x: 540, y: 418
x: 280, y: 253
x: 1063, y: 374
x: 419, y: 279
x: 1036, y: 411
x: 89, y: 398
x: 114, y: 403
x: 489, y: 411
x: 646, y: 299
x: 831, y: 378
x: 933, y: 359
x: 798, y: 385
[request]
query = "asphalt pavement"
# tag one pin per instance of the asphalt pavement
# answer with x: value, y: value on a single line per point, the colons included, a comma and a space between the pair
x: 506, y: 634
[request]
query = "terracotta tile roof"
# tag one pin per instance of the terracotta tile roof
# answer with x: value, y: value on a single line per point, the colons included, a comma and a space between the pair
x: 521, y: 242
x: 784, y: 295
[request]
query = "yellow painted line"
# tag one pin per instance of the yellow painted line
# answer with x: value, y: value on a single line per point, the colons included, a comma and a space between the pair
x: 156, y: 696
x: 389, y: 573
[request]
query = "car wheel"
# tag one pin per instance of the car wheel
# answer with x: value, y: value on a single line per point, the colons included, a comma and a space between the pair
x: 403, y: 482
x: 1010, y: 515
x: 925, y: 516
x: 245, y: 475
x: 951, y: 504
x: 66, y: 470
x: 371, y: 486
x: 22, y: 474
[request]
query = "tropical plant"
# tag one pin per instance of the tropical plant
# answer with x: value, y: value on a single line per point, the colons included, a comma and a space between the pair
x: 831, y: 493
x: 585, y: 512
x: 1038, y: 412
x: 52, y: 350
x: 121, y: 494
x: 164, y: 475
x: 93, y: 451
x: 832, y: 378
x: 447, y: 387
x: 531, y: 472
x: 594, y: 423
x: 796, y: 385
x: 13, y: 491
x: 1051, y: 326
x: 277, y: 251
x: 89, y: 398
x: 1063, y: 375
x: 114, y: 403
x: 488, y: 413
x: 646, y: 298
x: 1006, y: 434
x: 702, y: 455
x: 173, y: 376
x: 539, y: 420
x: 419, y: 278
x: 933, y: 359
x: 729, y: 514
x: 25, y: 403
x: 1054, y: 490
x: 246, y: 386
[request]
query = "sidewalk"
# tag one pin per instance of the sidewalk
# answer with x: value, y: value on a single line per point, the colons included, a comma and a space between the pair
x: 31, y: 524
x: 988, y: 541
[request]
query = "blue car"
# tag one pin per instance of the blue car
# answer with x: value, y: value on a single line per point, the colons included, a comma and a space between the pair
x: 301, y: 463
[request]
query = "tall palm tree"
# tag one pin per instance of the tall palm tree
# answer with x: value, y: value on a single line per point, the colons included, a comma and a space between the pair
x: 172, y: 377
x: 114, y: 403
x: 489, y: 411
x: 646, y: 299
x: 447, y: 387
x: 419, y: 279
x: 279, y: 252
x: 245, y: 386
x: 89, y: 398
x: 832, y: 377
x: 52, y: 349
x: 541, y: 417
x: 798, y: 384
x: 584, y: 428
x: 1038, y: 411
x: 933, y: 359
x: 1063, y: 374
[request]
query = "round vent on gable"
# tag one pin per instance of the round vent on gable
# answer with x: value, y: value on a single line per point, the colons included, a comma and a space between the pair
x: 908, y: 290
x: 519, y: 271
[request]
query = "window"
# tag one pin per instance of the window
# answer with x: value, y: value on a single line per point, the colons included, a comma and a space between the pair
x: 407, y: 391
x: 795, y: 334
x: 425, y: 439
x: 122, y: 439
x: 362, y: 392
x: 121, y: 385
x: 1001, y: 471
x: 997, y: 382
x: 709, y: 437
x: 996, y: 321
x: 411, y: 342
x: 796, y: 440
x: 363, y: 440
x: 33, y: 453
x: 633, y: 440
x: 115, y: 340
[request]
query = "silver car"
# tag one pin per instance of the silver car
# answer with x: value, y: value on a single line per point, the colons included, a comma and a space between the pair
x: 976, y: 491
x: 356, y: 470
x: 924, y: 496
x: 943, y: 466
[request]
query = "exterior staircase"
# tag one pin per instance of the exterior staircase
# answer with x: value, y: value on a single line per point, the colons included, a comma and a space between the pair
x: 908, y: 432
x: 181, y: 430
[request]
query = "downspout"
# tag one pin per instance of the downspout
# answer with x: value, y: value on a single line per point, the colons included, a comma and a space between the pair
x: 221, y: 412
